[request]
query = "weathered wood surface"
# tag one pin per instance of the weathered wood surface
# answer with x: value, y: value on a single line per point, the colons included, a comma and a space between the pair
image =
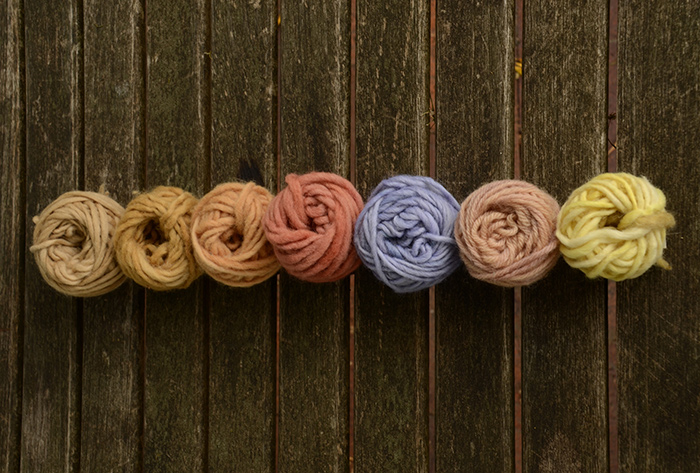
x: 112, y: 391
x: 242, y: 322
x: 659, y: 313
x: 12, y: 166
x: 177, y: 147
x: 564, y: 371
x: 313, y: 318
x: 51, y: 363
x: 391, y: 330
x: 474, y: 418
x: 136, y: 94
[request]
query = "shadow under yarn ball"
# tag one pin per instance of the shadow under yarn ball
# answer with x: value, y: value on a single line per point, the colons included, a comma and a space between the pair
x: 506, y: 233
x: 614, y: 227
x: 152, y: 242
x: 309, y: 224
x: 228, y: 238
x: 404, y: 235
x: 73, y: 245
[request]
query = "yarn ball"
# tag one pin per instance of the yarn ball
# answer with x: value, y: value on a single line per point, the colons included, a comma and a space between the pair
x: 309, y: 225
x: 614, y: 226
x: 228, y: 238
x: 506, y: 233
x: 404, y: 235
x: 73, y: 244
x: 152, y: 241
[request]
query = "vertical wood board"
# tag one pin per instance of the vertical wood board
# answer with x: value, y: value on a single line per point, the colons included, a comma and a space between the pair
x: 313, y: 318
x: 176, y: 391
x: 242, y: 320
x: 51, y: 364
x: 12, y: 174
x: 658, y: 324
x: 112, y: 389
x: 564, y: 316
x: 474, y: 113
x: 391, y: 330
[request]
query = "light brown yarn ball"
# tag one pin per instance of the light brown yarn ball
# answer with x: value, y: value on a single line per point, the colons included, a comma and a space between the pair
x: 228, y: 238
x: 506, y: 233
x: 73, y: 244
x: 153, y: 243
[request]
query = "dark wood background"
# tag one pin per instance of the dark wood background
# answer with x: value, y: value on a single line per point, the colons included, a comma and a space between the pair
x: 568, y: 375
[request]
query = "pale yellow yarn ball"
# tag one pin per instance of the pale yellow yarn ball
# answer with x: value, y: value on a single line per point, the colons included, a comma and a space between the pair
x: 614, y: 227
x: 152, y: 241
x: 73, y: 245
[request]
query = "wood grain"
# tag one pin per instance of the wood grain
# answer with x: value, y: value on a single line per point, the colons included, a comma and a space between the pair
x: 391, y: 330
x: 243, y: 321
x: 51, y: 371
x: 12, y: 175
x: 658, y: 323
x: 474, y: 418
x: 112, y: 391
x: 184, y: 381
x: 564, y: 315
x: 313, y: 324
x: 177, y: 154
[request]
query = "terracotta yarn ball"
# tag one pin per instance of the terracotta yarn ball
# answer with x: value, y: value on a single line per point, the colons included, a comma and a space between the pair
x: 152, y: 241
x: 506, y: 232
x: 228, y: 238
x: 73, y: 245
x: 310, y: 225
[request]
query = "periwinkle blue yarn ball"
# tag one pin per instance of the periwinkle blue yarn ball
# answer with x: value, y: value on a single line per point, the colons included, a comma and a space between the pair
x: 405, y: 233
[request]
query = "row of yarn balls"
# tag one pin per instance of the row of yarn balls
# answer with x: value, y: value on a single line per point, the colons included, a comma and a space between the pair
x: 411, y: 233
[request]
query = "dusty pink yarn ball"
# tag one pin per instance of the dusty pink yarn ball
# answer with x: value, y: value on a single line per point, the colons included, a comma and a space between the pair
x: 506, y: 233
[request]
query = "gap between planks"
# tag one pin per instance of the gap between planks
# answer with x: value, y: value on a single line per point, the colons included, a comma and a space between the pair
x: 517, y: 293
x: 613, y: 440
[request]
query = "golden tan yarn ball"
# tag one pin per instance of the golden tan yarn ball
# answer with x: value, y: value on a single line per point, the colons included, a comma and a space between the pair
x: 152, y: 242
x: 614, y: 227
x: 228, y: 238
x: 73, y: 244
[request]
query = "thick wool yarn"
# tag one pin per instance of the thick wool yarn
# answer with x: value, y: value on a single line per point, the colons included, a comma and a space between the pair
x: 310, y: 223
x: 228, y: 238
x: 152, y: 241
x: 506, y: 233
x: 73, y: 244
x: 404, y: 235
x: 614, y: 226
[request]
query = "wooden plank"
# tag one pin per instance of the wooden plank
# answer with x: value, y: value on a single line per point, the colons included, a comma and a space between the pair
x: 391, y: 330
x: 12, y: 146
x: 658, y: 323
x: 474, y: 418
x: 177, y: 154
x: 243, y: 321
x: 114, y: 157
x: 564, y: 316
x: 51, y: 371
x: 313, y: 318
